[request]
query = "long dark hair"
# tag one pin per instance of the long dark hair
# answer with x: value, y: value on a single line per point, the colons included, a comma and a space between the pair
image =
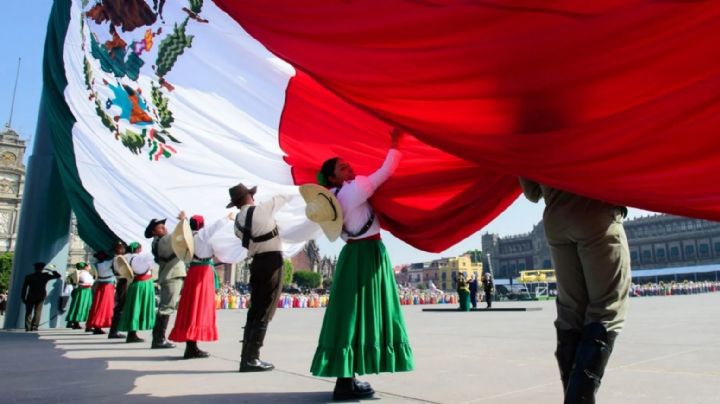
x: 326, y: 171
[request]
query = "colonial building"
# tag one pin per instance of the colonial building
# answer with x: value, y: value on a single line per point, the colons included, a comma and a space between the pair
x: 12, y: 181
x: 441, y: 272
x: 308, y: 259
x: 656, y: 241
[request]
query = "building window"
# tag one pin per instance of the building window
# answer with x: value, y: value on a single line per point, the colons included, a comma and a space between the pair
x: 689, y: 251
x: 548, y: 264
x: 647, y: 255
x: 660, y: 253
x: 512, y: 268
x: 444, y: 276
x: 704, y: 250
x: 521, y: 266
x: 674, y: 252
x: 633, y: 255
x: 717, y: 247
x: 444, y: 285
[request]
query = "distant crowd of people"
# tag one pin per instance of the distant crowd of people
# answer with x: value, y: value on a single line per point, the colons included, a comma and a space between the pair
x: 673, y: 288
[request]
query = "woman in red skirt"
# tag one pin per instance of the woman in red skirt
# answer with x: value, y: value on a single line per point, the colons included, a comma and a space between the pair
x: 101, y: 311
x: 195, y: 319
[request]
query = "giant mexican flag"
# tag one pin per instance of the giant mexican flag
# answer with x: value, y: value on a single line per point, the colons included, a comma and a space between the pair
x: 162, y: 106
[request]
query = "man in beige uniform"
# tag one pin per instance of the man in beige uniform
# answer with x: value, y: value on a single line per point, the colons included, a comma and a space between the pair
x: 592, y: 264
x: 255, y: 225
x: 171, y: 276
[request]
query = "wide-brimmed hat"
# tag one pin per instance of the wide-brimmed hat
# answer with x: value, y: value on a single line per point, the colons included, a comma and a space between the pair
x: 324, y: 209
x: 238, y: 193
x: 151, y: 226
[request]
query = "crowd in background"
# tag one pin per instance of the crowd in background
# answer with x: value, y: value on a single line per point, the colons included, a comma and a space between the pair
x: 673, y: 288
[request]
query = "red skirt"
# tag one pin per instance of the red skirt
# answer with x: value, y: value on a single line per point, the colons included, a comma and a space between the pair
x: 195, y: 320
x: 101, y: 311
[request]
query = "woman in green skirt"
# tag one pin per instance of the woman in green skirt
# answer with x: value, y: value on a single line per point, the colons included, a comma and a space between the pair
x: 139, y: 311
x: 363, y: 330
x: 463, y: 290
x: 81, y: 297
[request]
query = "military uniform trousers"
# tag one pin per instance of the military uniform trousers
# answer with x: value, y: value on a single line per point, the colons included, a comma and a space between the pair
x: 592, y: 264
x: 170, y: 295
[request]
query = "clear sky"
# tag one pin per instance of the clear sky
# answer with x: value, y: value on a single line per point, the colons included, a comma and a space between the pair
x: 23, y: 33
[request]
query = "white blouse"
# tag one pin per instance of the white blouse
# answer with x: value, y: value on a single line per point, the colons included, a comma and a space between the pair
x: 85, y: 279
x: 203, y: 248
x: 141, y: 264
x: 354, y: 195
x: 105, y: 272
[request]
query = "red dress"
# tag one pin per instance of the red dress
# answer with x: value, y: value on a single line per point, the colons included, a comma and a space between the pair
x: 195, y: 319
x: 101, y: 311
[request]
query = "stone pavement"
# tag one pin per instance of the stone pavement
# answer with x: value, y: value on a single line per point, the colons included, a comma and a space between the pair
x: 668, y: 353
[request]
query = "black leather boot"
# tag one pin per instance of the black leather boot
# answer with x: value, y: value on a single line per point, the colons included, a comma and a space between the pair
x: 253, y: 341
x: 159, y: 341
x: 567, y: 344
x: 133, y: 337
x: 98, y: 331
x: 591, y: 358
x: 345, y: 389
x: 192, y: 351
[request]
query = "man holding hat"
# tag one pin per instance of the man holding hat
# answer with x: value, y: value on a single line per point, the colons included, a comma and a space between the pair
x: 34, y: 293
x: 171, y: 276
x: 255, y: 225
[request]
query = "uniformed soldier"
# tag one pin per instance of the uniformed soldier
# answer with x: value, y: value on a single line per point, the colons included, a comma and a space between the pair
x: 171, y: 276
x: 592, y: 264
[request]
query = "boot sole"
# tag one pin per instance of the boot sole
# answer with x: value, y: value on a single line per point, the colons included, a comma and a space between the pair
x: 250, y: 370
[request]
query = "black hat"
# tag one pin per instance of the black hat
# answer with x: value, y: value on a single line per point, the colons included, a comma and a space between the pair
x: 238, y: 193
x: 151, y: 226
x: 39, y: 265
x: 101, y: 256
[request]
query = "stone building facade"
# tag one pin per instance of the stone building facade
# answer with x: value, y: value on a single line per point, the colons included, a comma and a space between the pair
x: 12, y: 183
x: 656, y: 241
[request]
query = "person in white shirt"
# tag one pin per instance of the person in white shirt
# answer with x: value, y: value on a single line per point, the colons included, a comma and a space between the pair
x: 81, y: 297
x: 195, y: 319
x: 139, y: 311
x: 363, y: 329
x: 256, y: 226
x: 101, y: 311
x: 121, y: 286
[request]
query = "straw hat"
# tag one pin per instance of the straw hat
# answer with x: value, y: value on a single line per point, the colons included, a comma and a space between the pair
x: 182, y: 241
x: 324, y: 209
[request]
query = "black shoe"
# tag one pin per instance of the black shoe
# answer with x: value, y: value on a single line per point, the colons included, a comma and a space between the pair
x: 255, y: 365
x: 162, y: 345
x: 34, y: 329
x: 361, y: 386
x: 195, y: 354
x: 345, y: 389
x: 116, y: 335
x: 98, y: 331
x: 591, y: 358
x: 132, y: 338
x: 76, y: 326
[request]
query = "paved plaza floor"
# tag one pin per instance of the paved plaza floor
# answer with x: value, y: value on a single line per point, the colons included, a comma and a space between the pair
x: 669, y: 352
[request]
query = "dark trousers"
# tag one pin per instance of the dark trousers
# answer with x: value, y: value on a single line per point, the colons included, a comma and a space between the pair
x: 265, y: 286
x: 120, y: 292
x: 488, y: 298
x: 32, y: 322
x: 473, y: 298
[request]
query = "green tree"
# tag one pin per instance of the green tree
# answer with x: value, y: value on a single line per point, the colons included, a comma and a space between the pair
x: 476, y: 256
x: 307, y: 279
x: 6, y: 261
x: 287, y: 273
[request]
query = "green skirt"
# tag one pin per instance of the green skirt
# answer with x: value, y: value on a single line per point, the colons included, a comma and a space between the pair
x: 363, y: 330
x: 139, y: 310
x: 79, y: 305
x: 464, y: 298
